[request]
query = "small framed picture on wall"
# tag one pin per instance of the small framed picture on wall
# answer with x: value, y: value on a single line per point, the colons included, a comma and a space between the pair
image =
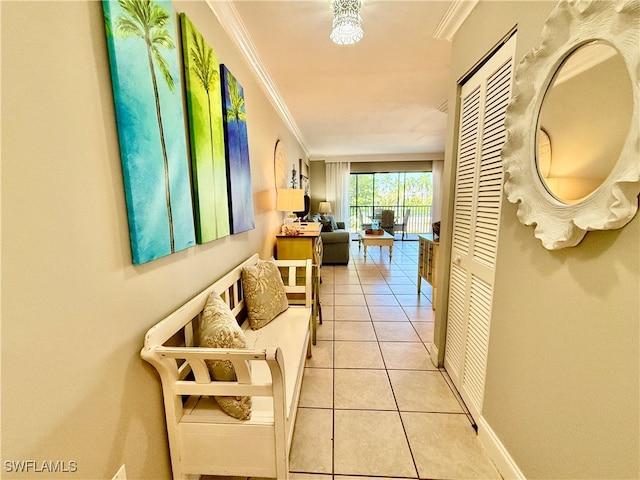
x: 304, y: 184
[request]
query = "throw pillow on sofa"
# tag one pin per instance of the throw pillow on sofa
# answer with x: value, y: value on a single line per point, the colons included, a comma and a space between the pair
x: 326, y: 225
x: 218, y: 328
x: 264, y: 293
x: 328, y: 222
x: 332, y: 220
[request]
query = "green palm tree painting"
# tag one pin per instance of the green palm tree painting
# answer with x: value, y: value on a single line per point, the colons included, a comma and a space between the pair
x: 237, y: 152
x: 204, y: 105
x: 147, y: 95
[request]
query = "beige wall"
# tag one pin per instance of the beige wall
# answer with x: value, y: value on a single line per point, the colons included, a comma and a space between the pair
x: 74, y: 308
x: 562, y: 386
x: 318, y: 173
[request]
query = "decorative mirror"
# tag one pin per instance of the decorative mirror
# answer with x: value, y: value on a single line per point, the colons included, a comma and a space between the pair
x: 572, y: 156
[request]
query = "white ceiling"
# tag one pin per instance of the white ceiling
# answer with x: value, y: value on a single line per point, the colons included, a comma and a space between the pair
x: 377, y: 97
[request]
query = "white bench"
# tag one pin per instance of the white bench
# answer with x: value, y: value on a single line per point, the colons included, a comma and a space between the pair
x: 202, y: 438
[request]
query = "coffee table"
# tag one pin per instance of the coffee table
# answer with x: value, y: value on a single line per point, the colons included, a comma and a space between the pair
x: 375, y: 240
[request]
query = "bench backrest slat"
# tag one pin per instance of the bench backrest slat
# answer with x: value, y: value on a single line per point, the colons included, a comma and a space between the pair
x: 162, y: 331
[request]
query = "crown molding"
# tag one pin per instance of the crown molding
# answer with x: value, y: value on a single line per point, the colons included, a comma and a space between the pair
x: 457, y: 13
x: 395, y: 157
x: 230, y: 20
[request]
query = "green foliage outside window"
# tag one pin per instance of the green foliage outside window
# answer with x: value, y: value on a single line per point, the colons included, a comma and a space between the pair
x: 373, y: 192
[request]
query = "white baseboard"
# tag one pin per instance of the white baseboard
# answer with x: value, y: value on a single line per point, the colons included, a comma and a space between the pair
x: 497, y: 452
x: 433, y: 353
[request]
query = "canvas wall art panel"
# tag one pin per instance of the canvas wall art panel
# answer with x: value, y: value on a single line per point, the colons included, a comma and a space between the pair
x: 145, y: 75
x: 237, y: 153
x: 204, y: 106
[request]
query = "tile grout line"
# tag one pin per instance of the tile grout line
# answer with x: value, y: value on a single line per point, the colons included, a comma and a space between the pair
x: 380, y: 268
x: 333, y: 392
x: 458, y: 397
x: 395, y: 399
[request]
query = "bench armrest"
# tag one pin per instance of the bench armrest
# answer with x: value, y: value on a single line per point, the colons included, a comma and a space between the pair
x: 164, y: 359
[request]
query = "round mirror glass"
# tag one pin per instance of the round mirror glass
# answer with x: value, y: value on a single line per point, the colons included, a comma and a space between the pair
x: 584, y: 122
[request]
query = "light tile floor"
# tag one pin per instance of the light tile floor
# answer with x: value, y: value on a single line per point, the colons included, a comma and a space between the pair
x: 372, y: 405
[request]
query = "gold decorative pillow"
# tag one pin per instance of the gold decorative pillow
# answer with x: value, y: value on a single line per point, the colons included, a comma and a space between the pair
x: 263, y: 293
x: 218, y: 328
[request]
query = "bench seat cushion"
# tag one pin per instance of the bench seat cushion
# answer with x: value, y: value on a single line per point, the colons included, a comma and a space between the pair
x: 289, y: 331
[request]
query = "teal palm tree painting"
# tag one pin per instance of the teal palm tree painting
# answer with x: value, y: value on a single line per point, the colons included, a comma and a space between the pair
x: 147, y: 94
x: 237, y: 152
x: 204, y: 105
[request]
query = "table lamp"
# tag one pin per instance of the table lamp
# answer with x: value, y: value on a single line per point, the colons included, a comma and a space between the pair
x: 324, y: 208
x: 290, y: 200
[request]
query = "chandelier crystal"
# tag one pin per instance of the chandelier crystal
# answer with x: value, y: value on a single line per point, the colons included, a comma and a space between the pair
x: 347, y: 28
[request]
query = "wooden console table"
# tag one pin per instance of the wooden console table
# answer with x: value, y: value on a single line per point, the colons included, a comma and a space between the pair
x: 427, y: 261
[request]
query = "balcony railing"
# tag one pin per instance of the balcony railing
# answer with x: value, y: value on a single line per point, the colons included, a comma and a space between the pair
x: 419, y: 216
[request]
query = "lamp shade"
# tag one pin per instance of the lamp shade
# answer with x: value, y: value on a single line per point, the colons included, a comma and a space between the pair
x: 324, y: 207
x: 290, y: 200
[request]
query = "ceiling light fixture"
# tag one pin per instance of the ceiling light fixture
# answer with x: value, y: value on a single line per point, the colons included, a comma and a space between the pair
x: 347, y: 28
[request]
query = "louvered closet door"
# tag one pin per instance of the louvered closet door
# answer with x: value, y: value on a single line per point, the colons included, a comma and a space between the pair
x: 478, y: 195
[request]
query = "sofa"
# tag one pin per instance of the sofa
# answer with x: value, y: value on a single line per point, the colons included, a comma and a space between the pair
x: 335, y: 240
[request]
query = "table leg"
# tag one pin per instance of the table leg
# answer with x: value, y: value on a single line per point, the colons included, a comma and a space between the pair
x: 315, y: 305
x: 365, y: 251
x: 390, y: 250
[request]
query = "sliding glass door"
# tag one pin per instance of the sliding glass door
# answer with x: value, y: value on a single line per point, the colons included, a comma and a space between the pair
x: 371, y: 193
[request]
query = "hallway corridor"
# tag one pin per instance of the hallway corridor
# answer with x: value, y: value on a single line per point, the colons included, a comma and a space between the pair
x: 372, y: 403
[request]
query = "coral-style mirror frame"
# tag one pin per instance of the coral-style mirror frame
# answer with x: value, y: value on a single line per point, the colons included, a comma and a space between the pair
x: 572, y: 24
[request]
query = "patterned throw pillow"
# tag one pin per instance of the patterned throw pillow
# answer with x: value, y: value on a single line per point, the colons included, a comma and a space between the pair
x: 326, y: 225
x: 218, y: 328
x: 263, y: 293
x: 332, y: 221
